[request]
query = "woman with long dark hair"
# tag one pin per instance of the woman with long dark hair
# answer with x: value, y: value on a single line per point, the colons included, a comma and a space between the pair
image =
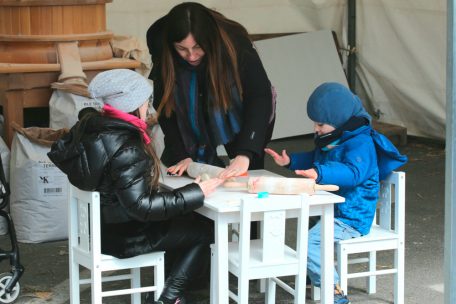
x: 210, y: 89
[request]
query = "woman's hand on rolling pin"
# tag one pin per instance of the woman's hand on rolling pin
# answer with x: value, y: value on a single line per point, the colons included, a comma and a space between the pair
x: 281, y: 160
x: 309, y: 173
x: 238, y: 166
x: 180, y: 167
x: 209, y: 186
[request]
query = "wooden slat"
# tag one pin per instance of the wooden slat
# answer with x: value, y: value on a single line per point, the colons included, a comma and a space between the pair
x: 7, y: 22
x: 25, y: 20
x: 100, y: 22
x: 3, y: 17
x: 15, y: 22
x: 95, y: 50
x: 67, y: 20
x: 76, y: 21
x: 26, y: 81
x: 115, y: 63
x: 45, y: 52
x: 56, y: 20
x: 36, y: 98
x: 34, y: 20
x: 27, y: 53
x: 50, y: 2
x: 12, y: 111
x: 45, y: 26
x: 32, y: 38
x: 85, y: 17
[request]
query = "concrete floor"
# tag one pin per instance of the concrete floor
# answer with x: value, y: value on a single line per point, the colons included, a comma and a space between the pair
x: 46, y: 277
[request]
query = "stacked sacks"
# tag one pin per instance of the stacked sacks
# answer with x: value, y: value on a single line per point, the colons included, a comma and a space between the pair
x: 64, y: 108
x: 39, y: 190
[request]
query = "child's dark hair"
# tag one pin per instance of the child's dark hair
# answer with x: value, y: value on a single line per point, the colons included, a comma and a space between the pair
x: 150, y: 150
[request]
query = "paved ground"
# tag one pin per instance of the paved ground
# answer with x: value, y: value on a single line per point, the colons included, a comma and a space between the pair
x: 46, y: 275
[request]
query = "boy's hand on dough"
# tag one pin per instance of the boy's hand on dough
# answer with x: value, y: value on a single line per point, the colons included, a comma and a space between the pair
x: 310, y: 173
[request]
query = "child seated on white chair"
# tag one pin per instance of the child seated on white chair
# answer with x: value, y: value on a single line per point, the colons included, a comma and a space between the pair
x: 348, y: 153
x: 110, y: 151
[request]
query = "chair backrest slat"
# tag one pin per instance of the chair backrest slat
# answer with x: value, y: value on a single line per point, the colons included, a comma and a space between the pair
x: 272, y: 211
x: 84, y: 225
x: 399, y: 211
x: 85, y: 216
x: 384, y: 205
x: 391, y: 202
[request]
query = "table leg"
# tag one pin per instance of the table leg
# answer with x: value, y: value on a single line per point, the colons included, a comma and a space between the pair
x: 220, y: 295
x: 327, y: 255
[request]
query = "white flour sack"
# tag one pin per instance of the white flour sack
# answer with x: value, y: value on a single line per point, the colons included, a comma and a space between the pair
x: 64, y: 108
x: 38, y: 189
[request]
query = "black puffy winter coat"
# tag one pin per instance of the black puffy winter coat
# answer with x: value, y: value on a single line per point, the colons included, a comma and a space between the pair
x: 106, y: 155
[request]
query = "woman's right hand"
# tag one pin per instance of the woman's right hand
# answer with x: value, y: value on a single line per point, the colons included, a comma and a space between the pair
x: 281, y: 160
x: 209, y: 186
x: 180, y: 167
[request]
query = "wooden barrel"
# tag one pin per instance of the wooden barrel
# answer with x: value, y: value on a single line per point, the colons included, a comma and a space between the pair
x: 29, y: 30
x: 30, y: 34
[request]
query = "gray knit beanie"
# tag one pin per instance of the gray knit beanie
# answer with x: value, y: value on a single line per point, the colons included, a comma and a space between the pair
x: 123, y: 89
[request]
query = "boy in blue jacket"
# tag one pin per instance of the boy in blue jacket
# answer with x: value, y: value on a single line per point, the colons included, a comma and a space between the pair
x: 348, y: 153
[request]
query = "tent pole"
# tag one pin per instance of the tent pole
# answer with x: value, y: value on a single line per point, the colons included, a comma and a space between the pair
x: 450, y: 162
x: 351, y: 37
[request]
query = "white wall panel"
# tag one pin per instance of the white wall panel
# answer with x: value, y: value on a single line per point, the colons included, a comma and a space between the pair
x: 296, y: 65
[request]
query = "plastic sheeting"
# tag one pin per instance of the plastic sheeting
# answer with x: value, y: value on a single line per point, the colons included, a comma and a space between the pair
x: 401, y: 47
x: 401, y: 62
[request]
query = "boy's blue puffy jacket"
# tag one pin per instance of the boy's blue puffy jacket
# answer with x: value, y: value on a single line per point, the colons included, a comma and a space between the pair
x: 356, y: 164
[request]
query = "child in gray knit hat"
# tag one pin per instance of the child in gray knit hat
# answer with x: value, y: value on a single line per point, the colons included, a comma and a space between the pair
x: 111, y: 152
x: 348, y: 153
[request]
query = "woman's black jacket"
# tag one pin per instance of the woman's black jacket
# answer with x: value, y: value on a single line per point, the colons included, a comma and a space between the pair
x: 258, y: 104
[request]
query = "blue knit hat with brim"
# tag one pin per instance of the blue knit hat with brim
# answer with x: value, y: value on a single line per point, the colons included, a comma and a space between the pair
x: 334, y: 104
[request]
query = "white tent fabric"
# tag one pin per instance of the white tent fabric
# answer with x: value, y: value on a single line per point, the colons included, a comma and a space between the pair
x: 401, y: 62
x: 400, y: 43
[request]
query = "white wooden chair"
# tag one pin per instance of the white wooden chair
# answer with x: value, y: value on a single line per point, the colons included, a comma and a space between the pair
x: 269, y: 257
x: 387, y: 233
x: 85, y: 250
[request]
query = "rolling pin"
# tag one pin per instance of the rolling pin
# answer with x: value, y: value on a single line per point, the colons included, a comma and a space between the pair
x: 203, y: 170
x: 280, y: 185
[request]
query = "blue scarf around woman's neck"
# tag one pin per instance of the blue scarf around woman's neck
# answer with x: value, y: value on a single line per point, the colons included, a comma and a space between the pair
x: 202, y: 126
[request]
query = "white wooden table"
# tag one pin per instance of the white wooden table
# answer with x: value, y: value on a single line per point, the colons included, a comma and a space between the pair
x: 223, y: 207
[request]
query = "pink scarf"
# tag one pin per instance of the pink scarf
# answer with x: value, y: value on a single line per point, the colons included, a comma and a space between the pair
x: 139, y: 123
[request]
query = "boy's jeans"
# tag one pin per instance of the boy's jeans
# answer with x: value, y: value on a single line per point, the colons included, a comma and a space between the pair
x: 341, y: 232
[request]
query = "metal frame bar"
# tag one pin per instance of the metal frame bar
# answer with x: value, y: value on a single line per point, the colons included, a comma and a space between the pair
x: 450, y: 162
x: 351, y: 37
